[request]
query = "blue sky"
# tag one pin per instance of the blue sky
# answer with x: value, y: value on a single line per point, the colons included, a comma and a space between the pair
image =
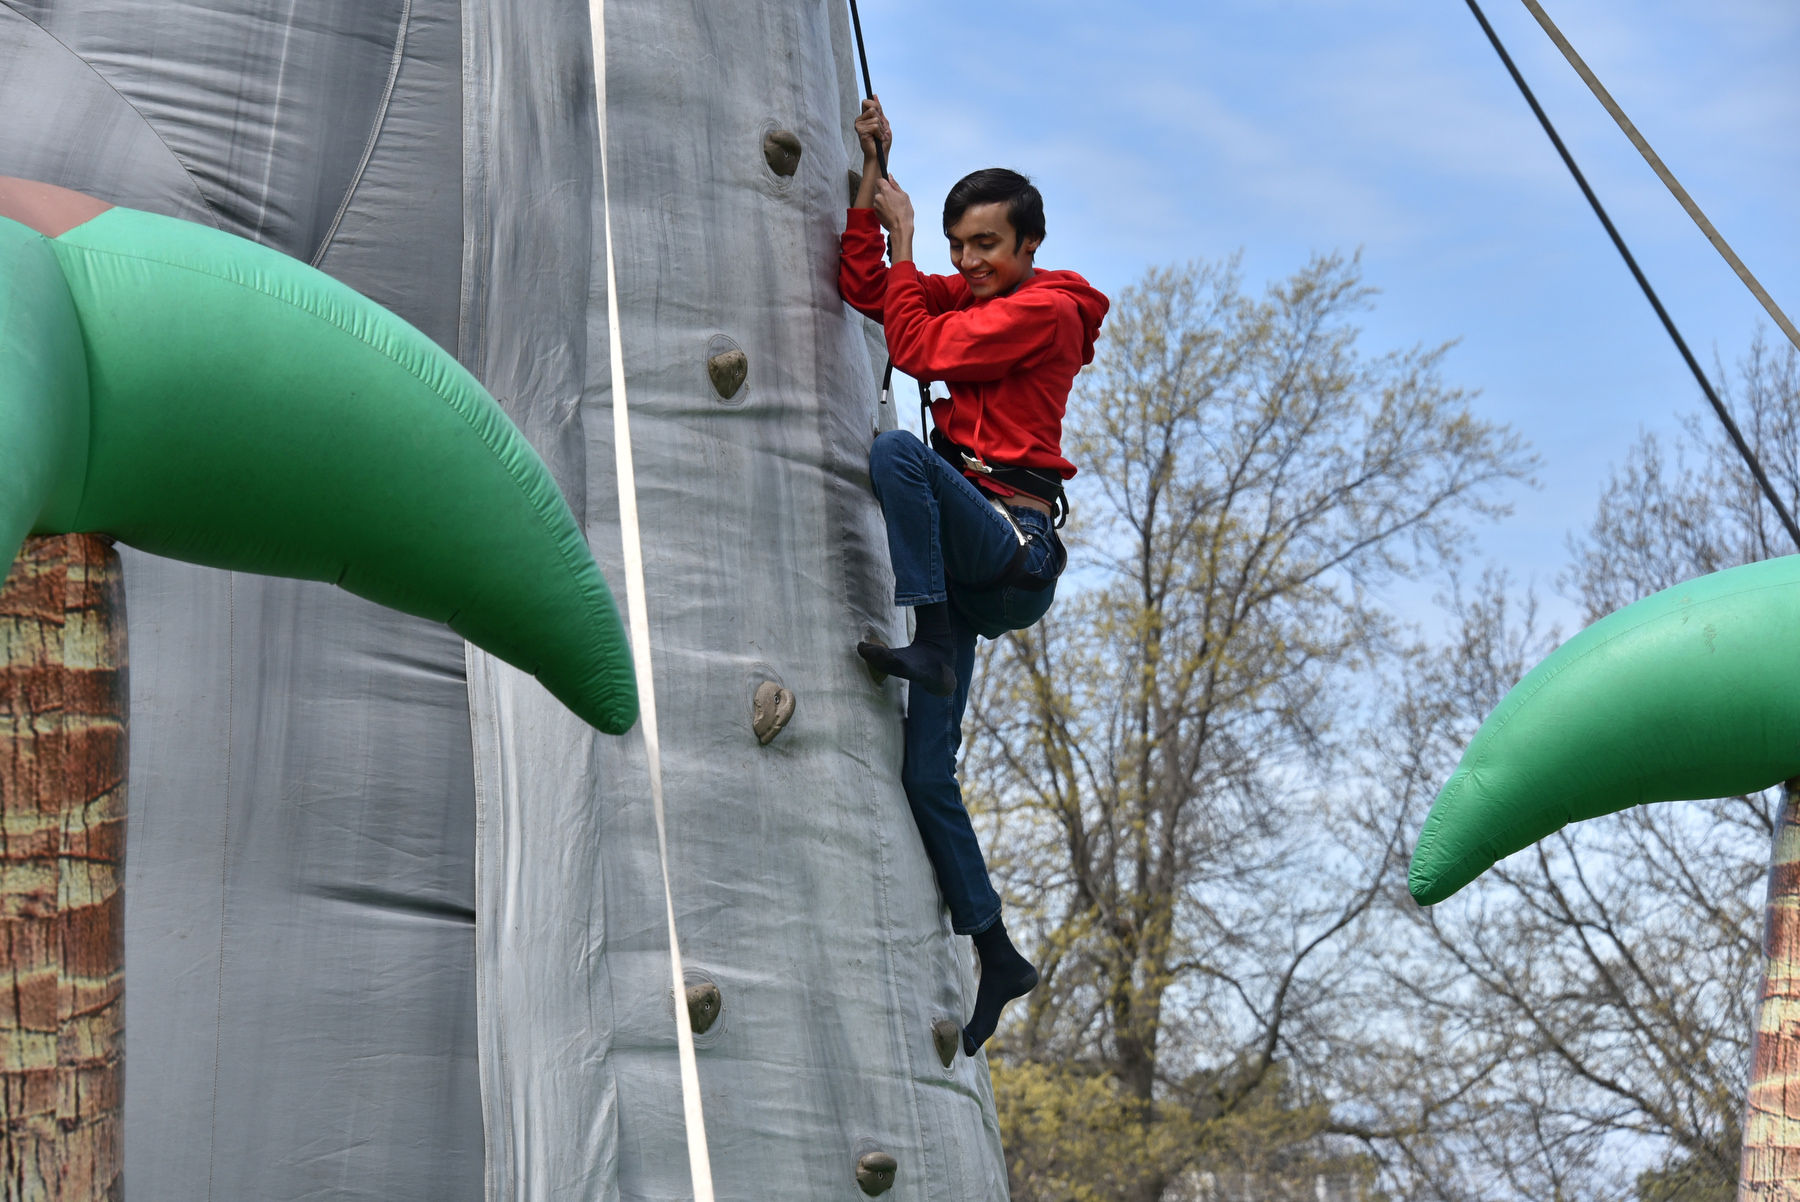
x: 1161, y: 132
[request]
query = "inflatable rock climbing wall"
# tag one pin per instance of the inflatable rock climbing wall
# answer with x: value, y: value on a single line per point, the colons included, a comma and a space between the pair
x: 394, y: 925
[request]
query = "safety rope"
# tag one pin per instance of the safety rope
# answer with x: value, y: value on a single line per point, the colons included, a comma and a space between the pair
x: 1663, y: 173
x: 699, y: 1163
x: 887, y: 374
x: 868, y: 88
x: 1725, y: 419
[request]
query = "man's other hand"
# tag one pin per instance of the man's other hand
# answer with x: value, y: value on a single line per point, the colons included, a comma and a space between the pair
x: 894, y: 209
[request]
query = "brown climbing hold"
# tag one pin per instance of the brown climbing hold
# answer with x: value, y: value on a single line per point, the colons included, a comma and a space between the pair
x: 781, y: 150
x: 869, y: 636
x: 704, y: 1004
x: 770, y: 710
x: 875, y: 1172
x: 728, y: 369
x: 946, y: 1036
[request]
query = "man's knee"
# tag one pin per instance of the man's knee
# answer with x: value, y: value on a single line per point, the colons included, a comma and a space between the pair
x: 894, y: 452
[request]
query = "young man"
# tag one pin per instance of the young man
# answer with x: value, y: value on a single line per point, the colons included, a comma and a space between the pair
x: 972, y: 523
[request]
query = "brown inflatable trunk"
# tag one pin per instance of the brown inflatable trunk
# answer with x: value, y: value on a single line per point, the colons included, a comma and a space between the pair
x: 62, y: 789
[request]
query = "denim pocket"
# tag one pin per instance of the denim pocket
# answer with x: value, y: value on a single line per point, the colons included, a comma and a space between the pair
x: 1045, y: 555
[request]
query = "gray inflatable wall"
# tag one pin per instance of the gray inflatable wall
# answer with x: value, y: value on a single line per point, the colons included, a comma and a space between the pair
x: 382, y: 900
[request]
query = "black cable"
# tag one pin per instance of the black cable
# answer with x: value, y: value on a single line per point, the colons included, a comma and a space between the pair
x: 1731, y: 427
x: 881, y: 162
x: 868, y: 88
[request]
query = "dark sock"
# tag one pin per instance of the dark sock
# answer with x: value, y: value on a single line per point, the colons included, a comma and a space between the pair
x: 930, y: 661
x: 1005, y: 975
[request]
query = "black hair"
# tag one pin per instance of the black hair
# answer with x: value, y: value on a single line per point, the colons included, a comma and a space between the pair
x: 994, y: 185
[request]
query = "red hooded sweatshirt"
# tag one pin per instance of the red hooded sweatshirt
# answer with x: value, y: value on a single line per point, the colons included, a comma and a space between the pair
x: 1009, y: 360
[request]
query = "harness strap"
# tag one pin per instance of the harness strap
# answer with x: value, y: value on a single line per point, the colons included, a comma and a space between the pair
x: 1017, y: 575
x: 1046, y: 486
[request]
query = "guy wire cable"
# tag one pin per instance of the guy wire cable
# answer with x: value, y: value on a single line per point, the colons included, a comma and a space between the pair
x: 699, y: 1161
x: 1731, y: 427
x: 1663, y: 173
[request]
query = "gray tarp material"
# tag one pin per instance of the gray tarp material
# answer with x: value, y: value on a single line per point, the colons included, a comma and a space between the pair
x: 302, y: 1006
x: 800, y: 884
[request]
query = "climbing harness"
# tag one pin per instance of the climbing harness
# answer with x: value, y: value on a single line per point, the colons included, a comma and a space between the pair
x: 1663, y: 173
x: 1724, y: 415
x: 1018, y: 573
x: 699, y: 1162
x: 1045, y: 486
x: 1006, y: 512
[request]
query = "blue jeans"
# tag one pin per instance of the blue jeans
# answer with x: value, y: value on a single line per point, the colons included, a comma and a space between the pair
x: 948, y: 543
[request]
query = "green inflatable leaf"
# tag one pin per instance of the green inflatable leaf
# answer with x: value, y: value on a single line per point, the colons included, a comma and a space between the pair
x: 1691, y: 693
x: 201, y: 397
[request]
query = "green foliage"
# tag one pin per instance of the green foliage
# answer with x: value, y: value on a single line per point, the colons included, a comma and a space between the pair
x: 1689, y: 1181
x: 1073, y: 1134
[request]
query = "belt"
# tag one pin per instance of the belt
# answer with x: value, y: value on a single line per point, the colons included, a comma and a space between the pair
x: 1046, y: 486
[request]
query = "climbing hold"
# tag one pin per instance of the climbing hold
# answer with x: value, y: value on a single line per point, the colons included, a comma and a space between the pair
x: 704, y: 1004
x: 728, y: 369
x: 869, y: 636
x: 875, y: 1172
x: 781, y: 150
x: 770, y: 710
x: 946, y: 1036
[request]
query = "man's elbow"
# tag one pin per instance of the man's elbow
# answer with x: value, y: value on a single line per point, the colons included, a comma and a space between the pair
x: 871, y: 311
x: 914, y: 361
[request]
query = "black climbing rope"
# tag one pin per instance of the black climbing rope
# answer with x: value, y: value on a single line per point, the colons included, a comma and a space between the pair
x: 887, y: 376
x: 1731, y: 427
x: 868, y: 87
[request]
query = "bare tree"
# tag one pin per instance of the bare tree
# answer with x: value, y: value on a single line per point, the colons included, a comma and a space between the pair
x: 1585, y: 1009
x: 1158, y: 762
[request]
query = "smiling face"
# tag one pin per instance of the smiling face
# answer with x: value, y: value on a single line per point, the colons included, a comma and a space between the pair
x: 987, y: 251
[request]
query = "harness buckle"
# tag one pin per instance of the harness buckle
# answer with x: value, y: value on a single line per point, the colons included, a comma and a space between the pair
x: 1018, y: 530
x: 973, y: 463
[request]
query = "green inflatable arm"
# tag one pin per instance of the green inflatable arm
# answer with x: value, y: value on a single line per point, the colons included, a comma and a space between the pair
x: 199, y: 396
x: 1691, y: 693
